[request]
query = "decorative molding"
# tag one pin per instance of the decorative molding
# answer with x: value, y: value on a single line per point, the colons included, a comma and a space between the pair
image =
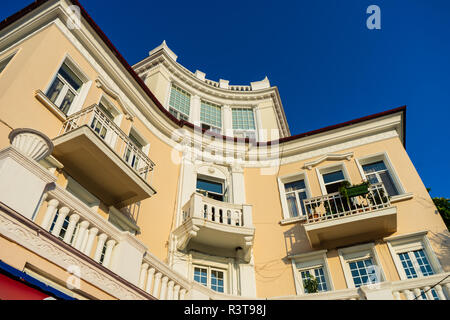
x: 63, y: 258
x: 100, y: 83
x: 328, y: 156
x: 49, y: 105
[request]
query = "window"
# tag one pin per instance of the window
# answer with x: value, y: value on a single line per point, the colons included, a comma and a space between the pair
x: 5, y: 62
x: 179, y: 103
x: 316, y: 273
x: 132, y: 155
x: 377, y: 172
x: 210, y: 277
x: 363, y: 272
x: 361, y: 265
x: 211, y: 189
x: 333, y: 180
x: 211, y: 116
x: 295, y: 193
x: 414, y: 258
x: 244, y: 123
x: 314, y: 265
x: 64, y: 89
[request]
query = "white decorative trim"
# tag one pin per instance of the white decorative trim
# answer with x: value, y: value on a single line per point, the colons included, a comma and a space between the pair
x: 402, y: 197
x: 328, y: 156
x: 101, y: 83
x: 49, y: 250
x: 353, y: 252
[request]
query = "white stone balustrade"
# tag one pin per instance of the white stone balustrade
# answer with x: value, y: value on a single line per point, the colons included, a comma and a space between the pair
x: 434, y: 287
x: 200, y: 206
x: 157, y: 279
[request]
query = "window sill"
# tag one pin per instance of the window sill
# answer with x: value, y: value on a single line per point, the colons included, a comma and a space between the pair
x: 49, y: 105
x: 292, y: 220
x: 401, y: 197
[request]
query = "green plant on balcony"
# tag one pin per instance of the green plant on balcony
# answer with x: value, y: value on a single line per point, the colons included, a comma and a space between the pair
x: 310, y: 284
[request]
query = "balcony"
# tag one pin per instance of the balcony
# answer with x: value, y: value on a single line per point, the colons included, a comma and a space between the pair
x: 99, y: 154
x: 334, y: 220
x: 216, y: 225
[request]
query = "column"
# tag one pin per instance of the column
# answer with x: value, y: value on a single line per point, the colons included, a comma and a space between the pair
x: 100, y: 243
x: 80, y: 235
x: 143, y: 275
x: 52, y: 206
x: 408, y: 294
x: 227, y: 121
x: 151, y: 274
x: 429, y: 293
x: 182, y: 294
x: 157, y: 282
x: 170, y: 290
x: 62, y: 214
x: 195, y: 110
x: 162, y: 294
x: 109, y: 248
x: 73, y: 220
x: 92, y: 234
x: 417, y: 294
x: 176, y: 292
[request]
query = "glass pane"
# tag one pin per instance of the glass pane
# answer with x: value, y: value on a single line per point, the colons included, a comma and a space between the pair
x: 70, y: 77
x: 200, y: 275
x: 388, y: 183
x: 333, y: 176
x: 296, y: 185
x: 243, y: 118
x: 333, y: 187
x: 363, y: 272
x: 211, y: 114
x: 209, y: 186
x: 424, y: 265
x: 292, y: 205
x: 55, y: 90
x: 180, y: 100
x: 374, y: 167
x: 67, y: 102
x: 407, y: 265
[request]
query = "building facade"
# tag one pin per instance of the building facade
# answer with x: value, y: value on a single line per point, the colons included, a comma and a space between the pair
x: 153, y: 182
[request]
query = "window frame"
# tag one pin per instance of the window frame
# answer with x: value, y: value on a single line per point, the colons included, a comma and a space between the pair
x: 302, y: 175
x: 214, y: 180
x: 356, y: 253
x: 245, y: 132
x: 383, y: 156
x: 212, y: 128
x: 409, y: 243
x: 209, y: 269
x: 80, y: 97
x: 310, y: 261
x: 320, y: 171
x: 176, y: 113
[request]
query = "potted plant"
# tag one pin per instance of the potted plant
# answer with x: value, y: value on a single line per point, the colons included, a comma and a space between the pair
x: 310, y: 284
x: 312, y: 213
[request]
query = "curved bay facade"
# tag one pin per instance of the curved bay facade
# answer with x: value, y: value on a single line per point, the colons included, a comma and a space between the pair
x: 153, y: 182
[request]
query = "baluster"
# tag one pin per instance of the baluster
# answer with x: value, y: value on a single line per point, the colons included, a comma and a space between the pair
x: 440, y: 292
x: 52, y: 206
x: 151, y: 273
x: 408, y: 294
x: 73, y: 220
x: 182, y: 294
x: 230, y: 217
x: 170, y: 290
x: 80, y: 234
x: 176, y: 292
x: 62, y: 214
x: 396, y: 295
x: 143, y: 275
x: 162, y: 294
x: 157, y: 283
x: 429, y: 293
x: 91, y: 236
x: 100, y: 244
x: 417, y: 294
x: 108, y: 254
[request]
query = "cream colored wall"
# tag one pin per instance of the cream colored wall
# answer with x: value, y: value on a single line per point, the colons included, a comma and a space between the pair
x: 274, y: 242
x: 33, y: 68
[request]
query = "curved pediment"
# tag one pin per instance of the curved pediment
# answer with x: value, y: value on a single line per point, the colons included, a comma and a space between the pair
x: 328, y: 156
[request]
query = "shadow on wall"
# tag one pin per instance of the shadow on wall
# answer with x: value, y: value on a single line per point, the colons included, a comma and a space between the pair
x: 440, y: 241
x: 296, y: 240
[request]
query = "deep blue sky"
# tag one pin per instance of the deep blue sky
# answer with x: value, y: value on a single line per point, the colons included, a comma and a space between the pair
x: 328, y: 66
